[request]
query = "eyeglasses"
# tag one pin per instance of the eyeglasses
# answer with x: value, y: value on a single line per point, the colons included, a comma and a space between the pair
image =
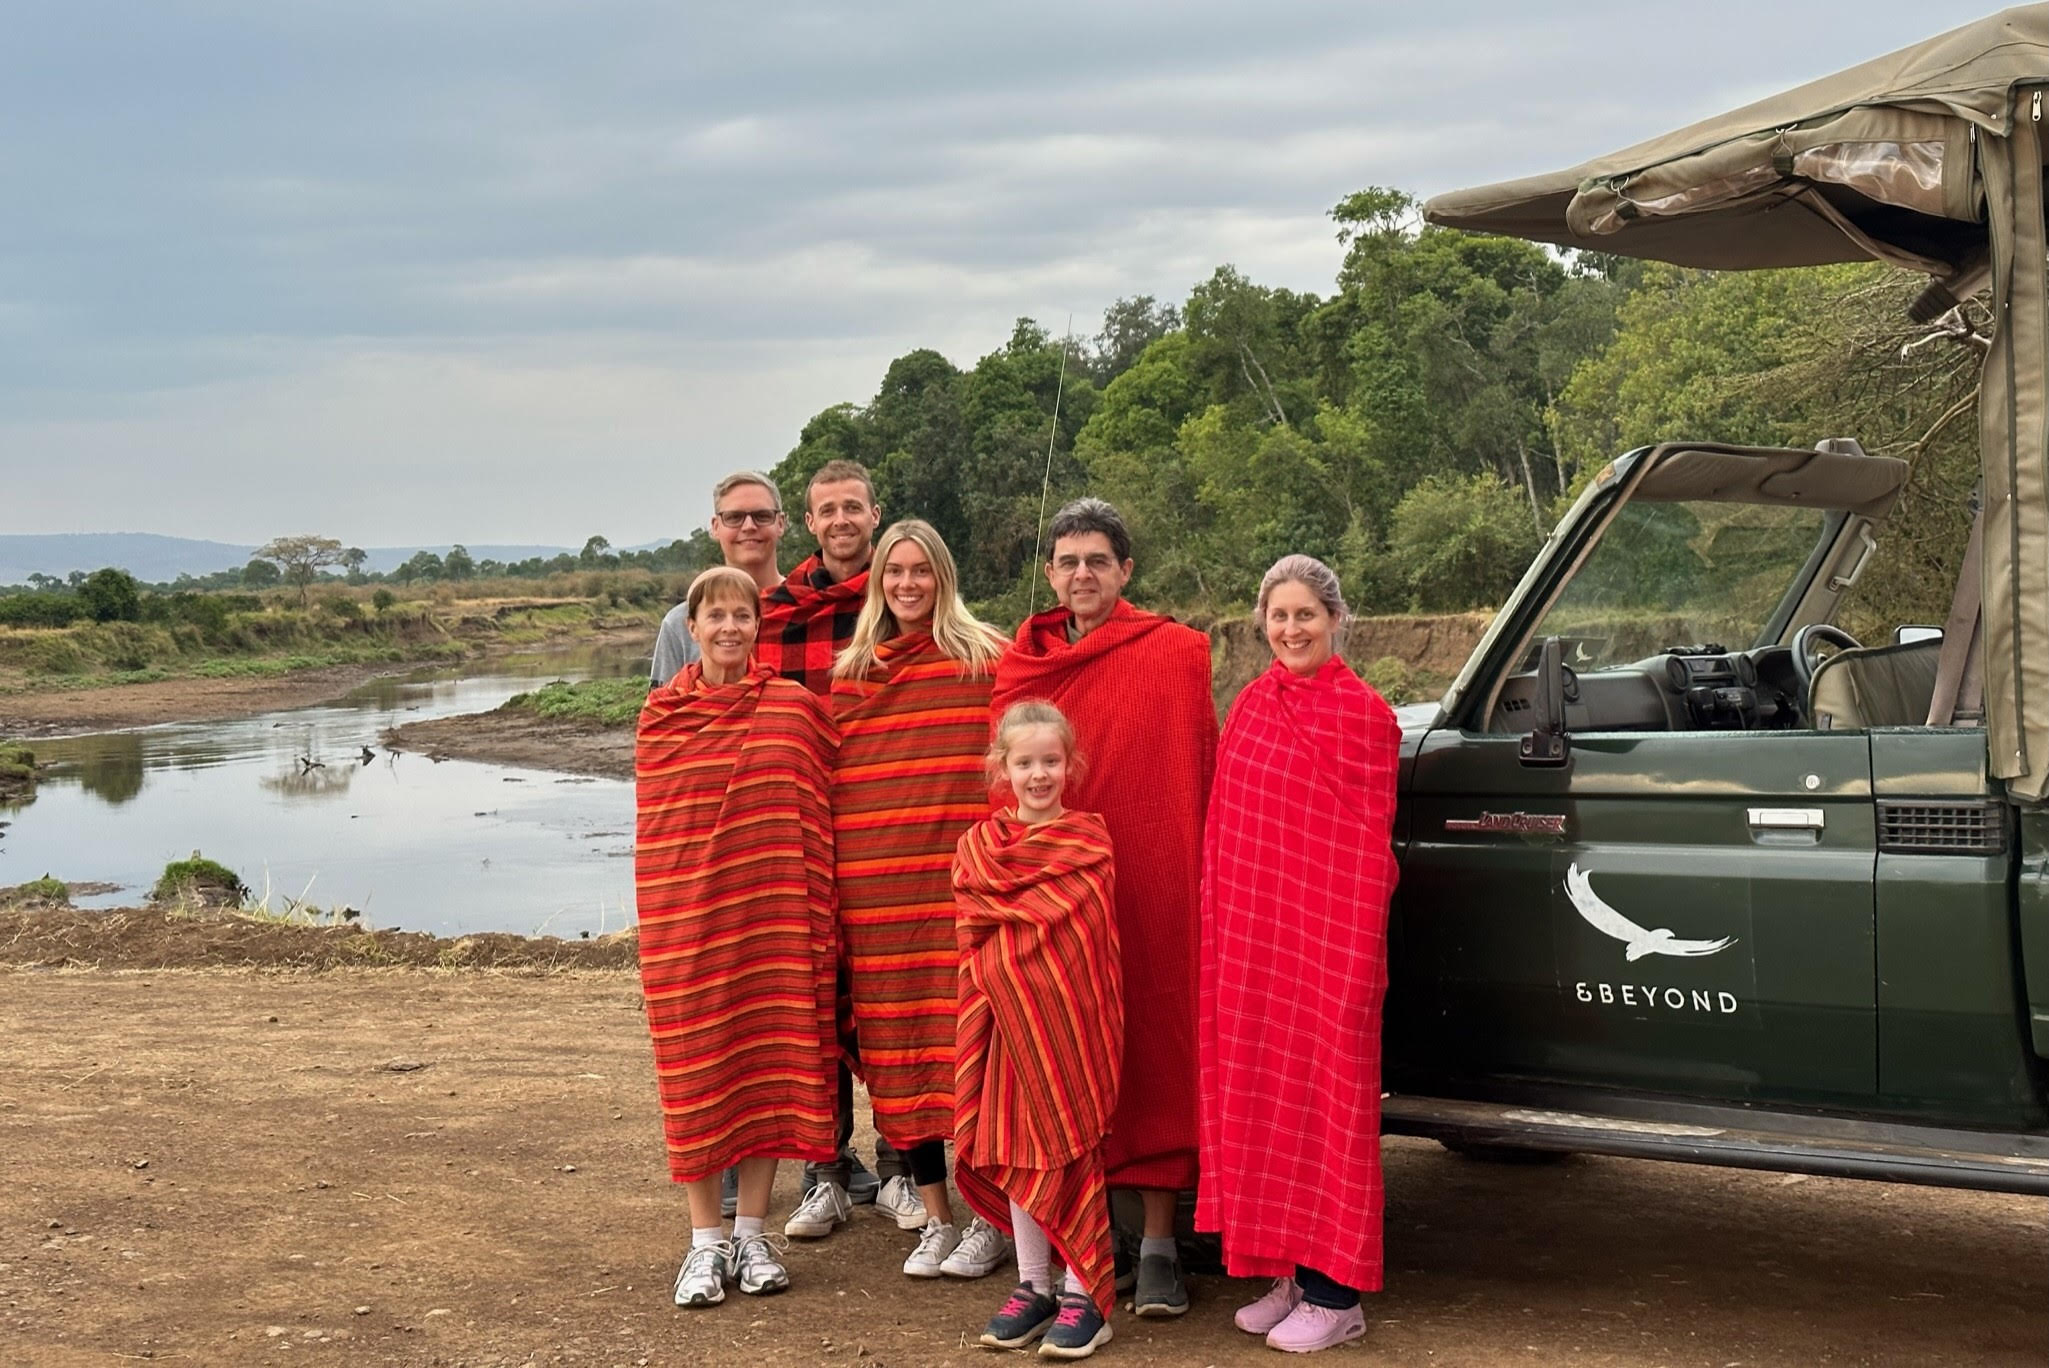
x: 740, y: 517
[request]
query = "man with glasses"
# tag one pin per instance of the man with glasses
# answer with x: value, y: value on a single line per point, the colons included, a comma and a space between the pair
x: 1136, y: 687
x: 747, y: 522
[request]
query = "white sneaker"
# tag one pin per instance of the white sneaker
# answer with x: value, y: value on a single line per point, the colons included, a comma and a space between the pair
x: 756, y: 1265
x: 702, y: 1279
x: 982, y: 1250
x: 899, y: 1198
x: 824, y: 1209
x: 934, y: 1245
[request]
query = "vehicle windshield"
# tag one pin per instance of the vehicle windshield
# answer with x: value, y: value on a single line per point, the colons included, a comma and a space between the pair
x: 1686, y: 573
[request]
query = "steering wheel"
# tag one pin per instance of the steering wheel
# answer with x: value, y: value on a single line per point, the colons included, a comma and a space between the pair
x: 1804, y: 642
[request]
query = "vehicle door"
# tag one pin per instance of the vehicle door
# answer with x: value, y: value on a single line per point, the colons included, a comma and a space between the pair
x: 1686, y: 904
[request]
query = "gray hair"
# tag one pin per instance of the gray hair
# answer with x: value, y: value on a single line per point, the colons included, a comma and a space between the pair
x: 1084, y: 516
x: 1313, y: 575
x: 745, y: 477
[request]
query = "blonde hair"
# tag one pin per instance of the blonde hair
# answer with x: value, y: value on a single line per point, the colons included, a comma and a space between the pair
x: 960, y: 635
x: 1313, y: 575
x: 1033, y: 712
x: 721, y: 581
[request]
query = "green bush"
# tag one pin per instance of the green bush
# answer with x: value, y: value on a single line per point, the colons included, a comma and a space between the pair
x: 201, y: 878
x: 382, y: 601
x: 347, y: 609
x: 40, y: 610
x: 612, y: 702
x: 46, y: 890
x: 1462, y: 541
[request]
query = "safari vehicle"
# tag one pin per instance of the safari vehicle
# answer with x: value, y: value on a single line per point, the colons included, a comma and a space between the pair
x: 1688, y: 872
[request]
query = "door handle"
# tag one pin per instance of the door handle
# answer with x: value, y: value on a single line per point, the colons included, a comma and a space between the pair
x: 1786, y: 819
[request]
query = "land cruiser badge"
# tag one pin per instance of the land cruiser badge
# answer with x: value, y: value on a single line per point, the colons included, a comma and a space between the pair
x: 1639, y: 941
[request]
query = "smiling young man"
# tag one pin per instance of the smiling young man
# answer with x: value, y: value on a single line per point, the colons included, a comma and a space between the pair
x: 809, y: 617
x: 1136, y: 687
x: 747, y: 522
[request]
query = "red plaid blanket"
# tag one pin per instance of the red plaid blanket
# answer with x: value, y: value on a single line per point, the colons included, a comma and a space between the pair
x: 806, y: 620
x: 1297, y: 874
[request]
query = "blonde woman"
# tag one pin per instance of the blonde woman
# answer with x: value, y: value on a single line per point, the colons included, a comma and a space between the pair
x: 911, y: 696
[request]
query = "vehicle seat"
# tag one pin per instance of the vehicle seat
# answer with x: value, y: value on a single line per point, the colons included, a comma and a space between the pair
x: 1875, y: 686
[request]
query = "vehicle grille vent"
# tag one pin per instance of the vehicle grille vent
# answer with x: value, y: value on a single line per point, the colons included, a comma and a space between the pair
x: 1942, y: 828
x: 1515, y: 705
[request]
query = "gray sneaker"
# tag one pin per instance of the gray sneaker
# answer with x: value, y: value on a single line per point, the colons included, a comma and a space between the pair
x: 756, y: 1267
x: 1162, y: 1290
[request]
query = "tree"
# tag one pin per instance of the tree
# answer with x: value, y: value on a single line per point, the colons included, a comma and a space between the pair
x: 352, y: 561
x: 44, y: 583
x: 301, y: 558
x: 1462, y: 542
x: 1129, y: 327
x: 457, y: 565
x: 596, y: 552
x: 419, y: 565
x: 111, y: 595
x: 260, y: 574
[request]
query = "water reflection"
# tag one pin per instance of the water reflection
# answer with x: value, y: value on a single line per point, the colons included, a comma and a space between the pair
x: 316, y: 781
x: 110, y: 769
x: 288, y: 800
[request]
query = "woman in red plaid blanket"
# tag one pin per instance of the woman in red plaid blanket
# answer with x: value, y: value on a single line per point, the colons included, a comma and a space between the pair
x: 1297, y: 874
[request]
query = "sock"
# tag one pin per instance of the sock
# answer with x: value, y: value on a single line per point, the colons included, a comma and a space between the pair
x: 1074, y: 1283
x: 1034, y: 1251
x: 748, y: 1225
x: 700, y: 1236
x: 1162, y: 1245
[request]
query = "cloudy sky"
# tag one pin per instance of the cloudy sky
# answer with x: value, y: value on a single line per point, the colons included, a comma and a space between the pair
x: 521, y: 270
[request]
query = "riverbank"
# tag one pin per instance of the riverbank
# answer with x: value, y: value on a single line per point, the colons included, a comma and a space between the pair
x: 416, y: 1166
x: 47, y: 711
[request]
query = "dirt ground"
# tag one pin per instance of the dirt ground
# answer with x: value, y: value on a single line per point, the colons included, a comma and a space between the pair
x: 513, y: 736
x: 406, y: 1166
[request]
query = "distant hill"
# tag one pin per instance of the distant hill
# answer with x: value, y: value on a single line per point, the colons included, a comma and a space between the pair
x: 156, y: 559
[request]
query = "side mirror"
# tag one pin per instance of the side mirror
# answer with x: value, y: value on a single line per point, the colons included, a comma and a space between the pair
x: 1908, y: 635
x: 1546, y: 743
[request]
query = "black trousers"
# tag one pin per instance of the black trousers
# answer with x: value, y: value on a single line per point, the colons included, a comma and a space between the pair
x: 888, y: 1163
x: 1328, y: 1293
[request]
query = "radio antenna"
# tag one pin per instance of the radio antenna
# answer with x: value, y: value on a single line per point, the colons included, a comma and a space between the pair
x: 1046, y: 485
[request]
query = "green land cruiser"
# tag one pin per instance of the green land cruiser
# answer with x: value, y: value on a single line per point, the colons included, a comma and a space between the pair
x: 1687, y: 872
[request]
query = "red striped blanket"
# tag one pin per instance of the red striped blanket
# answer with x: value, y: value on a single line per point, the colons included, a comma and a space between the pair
x: 1137, y: 690
x: 1297, y: 875
x: 907, y: 783
x: 733, y: 884
x: 1041, y: 1031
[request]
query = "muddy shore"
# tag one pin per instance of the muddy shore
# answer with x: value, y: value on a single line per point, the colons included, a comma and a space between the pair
x: 514, y: 736
x: 67, y: 712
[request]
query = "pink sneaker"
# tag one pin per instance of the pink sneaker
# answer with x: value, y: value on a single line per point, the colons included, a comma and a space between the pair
x: 1309, y: 1328
x: 1270, y: 1310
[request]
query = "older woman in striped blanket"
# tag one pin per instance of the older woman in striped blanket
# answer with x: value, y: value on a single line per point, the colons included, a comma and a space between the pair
x: 910, y: 694
x: 733, y: 883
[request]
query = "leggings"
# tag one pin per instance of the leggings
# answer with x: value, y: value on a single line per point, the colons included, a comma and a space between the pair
x: 927, y: 1159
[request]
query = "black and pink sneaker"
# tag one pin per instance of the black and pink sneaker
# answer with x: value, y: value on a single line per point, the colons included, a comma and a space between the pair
x: 1024, y: 1317
x: 1078, y: 1331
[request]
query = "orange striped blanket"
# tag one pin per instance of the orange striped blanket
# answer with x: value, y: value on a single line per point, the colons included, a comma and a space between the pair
x: 907, y: 783
x: 733, y: 881
x: 1041, y: 1031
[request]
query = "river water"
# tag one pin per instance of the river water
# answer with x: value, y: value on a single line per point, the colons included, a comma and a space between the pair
x: 288, y: 801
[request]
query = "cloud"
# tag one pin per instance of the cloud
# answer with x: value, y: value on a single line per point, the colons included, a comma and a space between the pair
x: 258, y: 257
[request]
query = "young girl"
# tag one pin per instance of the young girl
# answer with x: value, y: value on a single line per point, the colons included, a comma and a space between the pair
x: 1040, y: 1036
